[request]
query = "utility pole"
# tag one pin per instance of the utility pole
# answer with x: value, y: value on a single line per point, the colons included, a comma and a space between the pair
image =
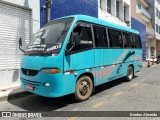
x: 48, y: 11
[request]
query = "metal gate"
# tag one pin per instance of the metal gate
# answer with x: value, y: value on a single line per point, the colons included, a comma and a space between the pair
x: 15, y: 22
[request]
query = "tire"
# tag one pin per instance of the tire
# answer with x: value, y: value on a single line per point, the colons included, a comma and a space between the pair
x: 84, y: 88
x: 130, y: 74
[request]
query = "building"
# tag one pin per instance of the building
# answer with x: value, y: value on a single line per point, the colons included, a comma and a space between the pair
x: 154, y: 10
x: 116, y: 11
x: 19, y: 19
x: 60, y: 8
x: 146, y: 19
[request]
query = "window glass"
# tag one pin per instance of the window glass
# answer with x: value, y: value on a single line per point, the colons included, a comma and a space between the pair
x: 109, y: 6
x: 137, y: 41
x: 127, y: 40
x: 157, y: 28
x: 86, y: 42
x: 115, y: 38
x: 156, y: 12
x: 117, y: 9
x: 100, y: 36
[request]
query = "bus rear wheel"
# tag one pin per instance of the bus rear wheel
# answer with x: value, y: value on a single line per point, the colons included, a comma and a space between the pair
x: 84, y: 88
x: 130, y: 73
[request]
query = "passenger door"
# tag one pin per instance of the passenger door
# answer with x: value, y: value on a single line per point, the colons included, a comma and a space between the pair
x: 101, y: 53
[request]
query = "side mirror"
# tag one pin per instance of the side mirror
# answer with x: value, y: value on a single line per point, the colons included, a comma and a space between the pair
x: 20, y: 44
x: 76, y: 38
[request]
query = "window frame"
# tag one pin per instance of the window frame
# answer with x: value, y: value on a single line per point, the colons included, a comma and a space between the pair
x: 94, y: 36
x: 117, y: 9
x: 131, y: 33
x: 93, y: 41
x: 138, y: 35
x: 131, y: 36
x: 109, y: 6
x: 110, y: 40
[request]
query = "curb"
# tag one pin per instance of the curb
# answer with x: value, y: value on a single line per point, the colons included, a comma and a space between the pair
x: 15, y: 95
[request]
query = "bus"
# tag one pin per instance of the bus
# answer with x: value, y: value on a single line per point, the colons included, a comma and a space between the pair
x: 73, y: 54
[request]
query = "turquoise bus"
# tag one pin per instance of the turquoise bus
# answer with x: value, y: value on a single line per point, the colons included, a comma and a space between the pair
x: 74, y: 54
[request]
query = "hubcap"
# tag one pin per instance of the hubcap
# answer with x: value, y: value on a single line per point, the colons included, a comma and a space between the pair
x: 84, y: 88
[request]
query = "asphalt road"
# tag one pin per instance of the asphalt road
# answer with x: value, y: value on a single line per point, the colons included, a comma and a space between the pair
x: 141, y: 94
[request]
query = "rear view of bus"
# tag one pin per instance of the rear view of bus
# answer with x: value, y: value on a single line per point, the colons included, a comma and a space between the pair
x: 76, y: 53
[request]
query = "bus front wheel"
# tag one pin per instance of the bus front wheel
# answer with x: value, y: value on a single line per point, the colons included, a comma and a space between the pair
x: 84, y: 88
x: 130, y: 73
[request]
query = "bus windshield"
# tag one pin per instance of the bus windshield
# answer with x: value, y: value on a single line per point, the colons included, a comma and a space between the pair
x: 49, y: 39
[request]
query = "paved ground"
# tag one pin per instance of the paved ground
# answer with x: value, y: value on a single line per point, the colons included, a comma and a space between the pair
x: 141, y: 94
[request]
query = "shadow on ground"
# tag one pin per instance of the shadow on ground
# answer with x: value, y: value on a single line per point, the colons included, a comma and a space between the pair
x: 37, y: 103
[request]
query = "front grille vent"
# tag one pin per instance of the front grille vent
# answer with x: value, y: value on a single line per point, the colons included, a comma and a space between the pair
x: 29, y: 72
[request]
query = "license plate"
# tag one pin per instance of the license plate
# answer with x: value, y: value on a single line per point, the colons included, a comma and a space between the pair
x: 29, y: 87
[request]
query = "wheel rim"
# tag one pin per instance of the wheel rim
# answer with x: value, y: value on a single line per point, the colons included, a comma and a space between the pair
x: 84, y: 88
x: 130, y: 73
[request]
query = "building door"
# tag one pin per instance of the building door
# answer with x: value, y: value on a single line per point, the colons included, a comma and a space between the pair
x: 15, y: 23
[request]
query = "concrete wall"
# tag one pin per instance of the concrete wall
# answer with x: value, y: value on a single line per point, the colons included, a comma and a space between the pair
x: 134, y: 11
x: 103, y: 14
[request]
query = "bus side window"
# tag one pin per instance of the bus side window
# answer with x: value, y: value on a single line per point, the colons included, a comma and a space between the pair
x: 115, y: 38
x: 137, y: 41
x: 85, y: 33
x: 100, y: 37
x: 127, y: 40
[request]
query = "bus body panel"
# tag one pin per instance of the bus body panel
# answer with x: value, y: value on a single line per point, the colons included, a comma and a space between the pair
x: 115, y: 63
x: 54, y: 90
x: 77, y: 63
x: 38, y: 63
x: 80, y: 60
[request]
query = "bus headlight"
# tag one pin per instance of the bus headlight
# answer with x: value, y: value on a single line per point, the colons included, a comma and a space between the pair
x: 51, y: 71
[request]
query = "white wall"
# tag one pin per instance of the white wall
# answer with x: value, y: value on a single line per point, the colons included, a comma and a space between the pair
x: 35, y: 6
x: 102, y: 14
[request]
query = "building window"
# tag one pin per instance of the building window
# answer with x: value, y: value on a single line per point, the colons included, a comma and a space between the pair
x: 139, y: 5
x: 109, y: 6
x: 124, y: 12
x: 157, y: 28
x: 117, y: 9
x: 157, y: 12
x: 103, y: 5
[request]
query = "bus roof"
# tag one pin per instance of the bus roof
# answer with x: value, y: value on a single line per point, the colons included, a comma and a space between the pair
x: 101, y: 22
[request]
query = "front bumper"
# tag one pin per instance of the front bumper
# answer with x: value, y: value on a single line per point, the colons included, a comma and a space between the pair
x: 38, y: 82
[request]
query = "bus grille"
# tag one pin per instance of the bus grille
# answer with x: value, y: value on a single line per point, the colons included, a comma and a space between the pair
x: 29, y: 72
x: 35, y: 84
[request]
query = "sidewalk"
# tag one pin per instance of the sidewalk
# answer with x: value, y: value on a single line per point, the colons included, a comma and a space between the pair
x: 12, y: 92
x: 145, y: 64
